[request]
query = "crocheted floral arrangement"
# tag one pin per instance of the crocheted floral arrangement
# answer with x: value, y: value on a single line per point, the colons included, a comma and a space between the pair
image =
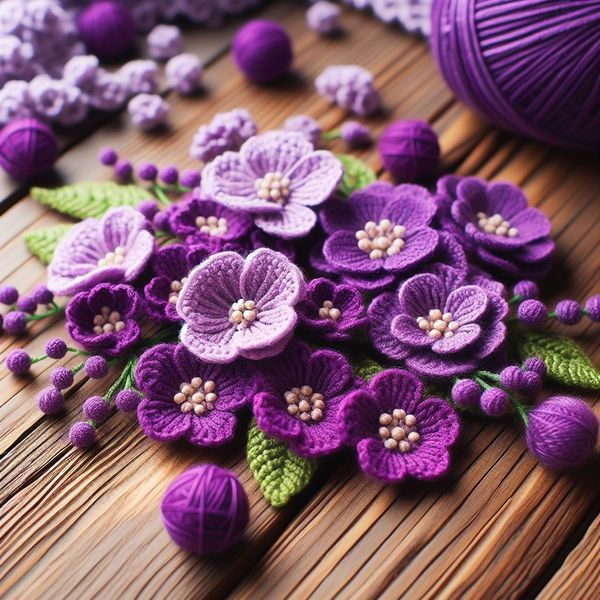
x: 286, y: 282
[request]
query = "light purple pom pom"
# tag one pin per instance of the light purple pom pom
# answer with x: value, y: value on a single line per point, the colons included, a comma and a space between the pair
x: 568, y: 312
x: 18, y: 362
x: 323, y: 17
x: 184, y: 73
x: 148, y: 111
x: 164, y: 42
x: 140, y: 76
x: 82, y: 435
x: 532, y: 312
x: 355, y: 134
x: 494, y: 402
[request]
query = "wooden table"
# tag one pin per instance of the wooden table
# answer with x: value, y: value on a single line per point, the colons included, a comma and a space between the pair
x: 81, y: 524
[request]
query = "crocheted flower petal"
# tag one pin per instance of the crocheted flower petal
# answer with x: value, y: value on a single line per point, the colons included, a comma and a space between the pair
x: 466, y: 304
x: 396, y: 388
x: 506, y: 199
x: 420, y: 294
x: 411, y: 206
x: 463, y: 214
x: 437, y: 421
x: 79, y: 251
x: 420, y: 245
x: 358, y: 417
x: 270, y: 279
x: 216, y: 346
x: 342, y: 251
x: 162, y: 422
x: 381, y: 312
x: 493, y: 327
x: 214, y: 429
x: 329, y: 373
x: 439, y: 366
x: 535, y: 252
x: 170, y: 262
x: 465, y: 336
x: 407, y: 331
x: 157, y: 374
x: 275, y: 151
x: 498, y: 262
x: 379, y: 462
x: 138, y: 255
x: 322, y: 438
x: 69, y: 285
x: 272, y: 417
x: 473, y: 191
x: 427, y: 461
x: 271, y: 327
x: 292, y: 221
x: 314, y: 178
x: 121, y: 226
x: 373, y: 284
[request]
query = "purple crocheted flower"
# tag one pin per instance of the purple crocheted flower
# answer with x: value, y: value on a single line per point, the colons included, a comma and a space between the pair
x: 260, y: 239
x: 140, y: 76
x: 113, y: 249
x: 57, y: 100
x: 438, y: 325
x: 300, y: 398
x: 164, y: 42
x: 104, y: 319
x: 81, y: 71
x: 240, y: 307
x: 109, y: 91
x: 184, y: 73
x: 148, y: 111
x: 379, y: 232
x: 197, y: 220
x: 332, y: 311
x: 397, y: 432
x: 494, y: 223
x: 14, y: 101
x: 276, y: 176
x: 185, y: 397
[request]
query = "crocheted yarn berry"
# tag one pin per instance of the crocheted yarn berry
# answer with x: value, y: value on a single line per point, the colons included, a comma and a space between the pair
x: 323, y: 17
x: 42, y: 295
x: 262, y: 50
x: 535, y: 364
x: 164, y: 42
x: 531, y: 384
x: 55, y: 348
x: 18, y: 361
x: 184, y: 73
x: 526, y: 289
x: 355, y: 134
x: 532, y: 312
x: 28, y: 147
x: 108, y: 157
x: 62, y: 378
x: 96, y: 367
x: 205, y: 510
x: 466, y: 393
x: 51, y: 401
x: 147, y: 172
x: 8, y: 294
x: 148, y: 208
x: 15, y: 322
x: 494, y: 402
x: 305, y: 125
x: 568, y: 312
x: 512, y: 378
x: 82, y: 435
x: 123, y: 170
x: 169, y: 175
x: 127, y: 400
x: 190, y: 178
x: 27, y: 304
x: 96, y: 409
x: 562, y: 432
x: 351, y: 87
x: 592, y: 306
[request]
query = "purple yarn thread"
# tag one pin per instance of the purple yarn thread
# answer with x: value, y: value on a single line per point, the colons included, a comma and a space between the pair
x: 205, y: 510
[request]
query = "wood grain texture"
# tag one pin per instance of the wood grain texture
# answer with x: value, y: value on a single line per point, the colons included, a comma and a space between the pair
x: 80, y: 524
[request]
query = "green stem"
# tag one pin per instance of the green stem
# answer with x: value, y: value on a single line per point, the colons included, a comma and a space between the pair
x: 37, y: 359
x: 160, y: 194
x: 334, y: 134
x: 119, y: 381
x: 50, y: 313
x: 520, y: 409
x: 552, y: 315
x: 78, y: 368
x: 515, y: 298
x: 488, y: 375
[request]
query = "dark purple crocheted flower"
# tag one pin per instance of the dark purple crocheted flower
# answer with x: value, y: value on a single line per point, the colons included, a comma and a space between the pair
x: 438, y: 325
x: 331, y: 311
x: 185, y: 397
x: 494, y: 223
x: 197, y: 220
x: 260, y: 239
x: 300, y: 398
x: 104, y: 319
x: 381, y: 231
x: 397, y: 432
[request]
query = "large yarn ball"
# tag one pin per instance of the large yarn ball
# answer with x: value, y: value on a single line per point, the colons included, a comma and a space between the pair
x: 529, y: 67
x: 205, y: 510
x: 410, y: 150
x: 107, y: 29
x: 28, y: 147
x: 262, y: 50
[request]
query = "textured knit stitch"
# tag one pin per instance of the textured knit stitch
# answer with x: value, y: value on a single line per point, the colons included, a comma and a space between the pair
x: 42, y: 242
x: 357, y: 174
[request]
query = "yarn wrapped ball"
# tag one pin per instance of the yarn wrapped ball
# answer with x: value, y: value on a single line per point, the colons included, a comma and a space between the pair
x: 562, y: 432
x: 107, y: 29
x: 205, y: 510
x: 28, y: 147
x: 529, y: 67
x: 262, y: 50
x: 410, y: 150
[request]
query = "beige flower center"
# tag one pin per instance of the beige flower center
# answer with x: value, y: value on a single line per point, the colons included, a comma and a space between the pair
x: 113, y: 258
x: 212, y: 225
x: 273, y: 186
x: 496, y: 224
x: 328, y: 311
x: 380, y: 240
x: 176, y: 287
x: 398, y: 430
x: 107, y: 321
x: 437, y: 324
x: 243, y: 313
x: 304, y: 404
x: 197, y: 395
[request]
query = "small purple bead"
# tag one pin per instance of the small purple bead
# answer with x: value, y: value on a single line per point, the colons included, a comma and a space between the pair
x: 531, y: 384
x: 147, y: 172
x: 42, y: 295
x: 535, y: 364
x: 355, y: 134
x: 494, y: 402
x: 511, y: 378
x: 56, y: 348
x: 82, y: 435
x: 96, y: 367
x: 532, y: 312
x: 27, y: 304
x: 96, y: 409
x: 18, y: 362
x: 15, y: 322
x: 527, y: 290
x: 466, y: 392
x: 568, y: 312
x: 51, y: 401
x: 8, y: 294
x: 592, y: 306
x: 127, y: 400
x: 190, y: 179
x: 62, y: 378
x: 108, y: 157
x: 161, y: 221
x: 123, y: 169
x: 148, y: 208
x: 169, y: 175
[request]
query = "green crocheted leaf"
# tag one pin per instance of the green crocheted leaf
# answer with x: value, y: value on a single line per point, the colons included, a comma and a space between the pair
x: 92, y: 199
x: 357, y: 174
x: 280, y: 473
x: 43, y: 242
x: 365, y: 367
x: 566, y: 361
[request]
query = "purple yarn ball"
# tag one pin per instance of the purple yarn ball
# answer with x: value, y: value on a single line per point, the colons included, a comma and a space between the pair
x: 123, y: 169
x: 466, y: 392
x: 161, y: 221
x: 532, y: 312
x: 527, y: 290
x: 148, y: 208
x: 9, y: 294
x: 62, y: 378
x: 410, y: 150
x: 262, y: 50
x: 592, y: 307
x: 18, y: 362
x: 562, y: 432
x: 28, y: 147
x: 51, y: 401
x: 56, y: 348
x: 512, y: 378
x: 169, y: 175
x: 82, y: 435
x: 535, y: 364
x: 108, y: 157
x: 42, y: 295
x: 190, y: 178
x: 107, y: 29
x: 96, y: 409
x: 568, y: 312
x: 494, y: 402
x: 15, y: 322
x: 531, y: 384
x: 96, y: 367
x: 147, y: 172
x: 205, y: 510
x: 127, y: 400
x: 27, y: 304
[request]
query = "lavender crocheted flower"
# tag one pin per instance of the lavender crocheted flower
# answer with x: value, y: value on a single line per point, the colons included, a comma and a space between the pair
x: 81, y: 71
x: 381, y: 231
x: 397, y: 432
x: 109, y: 91
x: 57, y: 100
x: 276, y: 176
x: 305, y: 125
x: 494, y: 223
x: 14, y: 101
x: 240, y: 307
x: 185, y: 397
x: 104, y: 319
x: 331, y: 311
x: 164, y: 42
x: 184, y: 73
x: 148, y: 111
x: 439, y: 325
x: 300, y: 398
x: 113, y: 249
x: 197, y: 220
x: 140, y: 76
x: 323, y: 17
